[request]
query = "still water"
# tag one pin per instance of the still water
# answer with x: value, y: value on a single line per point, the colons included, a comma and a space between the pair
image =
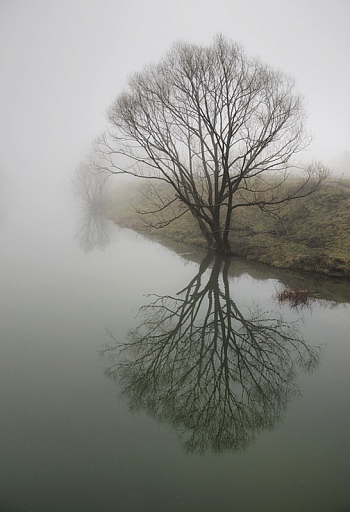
x: 212, y: 396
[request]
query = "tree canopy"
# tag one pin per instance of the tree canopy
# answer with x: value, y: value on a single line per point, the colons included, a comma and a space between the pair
x: 220, y: 128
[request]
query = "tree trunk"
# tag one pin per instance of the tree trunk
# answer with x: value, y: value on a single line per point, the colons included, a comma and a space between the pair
x: 221, y: 241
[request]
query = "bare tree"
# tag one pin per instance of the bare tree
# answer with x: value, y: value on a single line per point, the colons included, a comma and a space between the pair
x: 93, y: 229
x: 220, y: 128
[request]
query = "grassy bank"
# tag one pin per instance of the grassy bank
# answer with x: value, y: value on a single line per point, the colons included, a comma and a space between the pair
x: 312, y: 234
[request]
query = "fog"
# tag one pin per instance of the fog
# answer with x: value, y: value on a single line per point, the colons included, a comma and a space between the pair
x: 63, y: 62
x: 68, y: 442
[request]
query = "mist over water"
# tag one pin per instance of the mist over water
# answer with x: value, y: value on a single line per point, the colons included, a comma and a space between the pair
x: 70, y: 441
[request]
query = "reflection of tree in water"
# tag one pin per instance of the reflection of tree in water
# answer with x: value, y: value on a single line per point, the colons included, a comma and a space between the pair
x: 93, y: 230
x: 215, y: 375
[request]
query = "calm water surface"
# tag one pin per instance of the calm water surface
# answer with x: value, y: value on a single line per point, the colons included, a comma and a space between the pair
x: 211, y: 399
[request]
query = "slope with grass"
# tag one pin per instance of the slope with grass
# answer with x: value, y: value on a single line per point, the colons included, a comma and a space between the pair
x: 312, y: 234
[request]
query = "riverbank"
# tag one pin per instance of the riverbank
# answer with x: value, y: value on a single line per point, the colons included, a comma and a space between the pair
x: 311, y: 235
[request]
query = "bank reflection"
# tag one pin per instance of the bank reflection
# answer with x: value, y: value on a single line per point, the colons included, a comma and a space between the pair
x: 218, y: 376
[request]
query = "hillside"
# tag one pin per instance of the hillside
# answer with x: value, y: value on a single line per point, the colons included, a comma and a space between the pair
x: 312, y: 234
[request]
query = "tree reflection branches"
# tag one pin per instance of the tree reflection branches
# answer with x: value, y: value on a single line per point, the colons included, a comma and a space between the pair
x: 198, y: 363
x: 93, y: 228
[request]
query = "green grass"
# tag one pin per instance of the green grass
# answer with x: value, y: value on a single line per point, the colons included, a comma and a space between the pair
x: 311, y: 234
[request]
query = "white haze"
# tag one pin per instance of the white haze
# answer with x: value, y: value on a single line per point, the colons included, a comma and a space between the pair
x: 62, y: 62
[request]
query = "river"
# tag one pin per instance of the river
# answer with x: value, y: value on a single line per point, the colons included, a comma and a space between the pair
x: 214, y: 398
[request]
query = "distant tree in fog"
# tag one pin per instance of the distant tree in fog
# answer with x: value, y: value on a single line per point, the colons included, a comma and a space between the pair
x: 93, y: 227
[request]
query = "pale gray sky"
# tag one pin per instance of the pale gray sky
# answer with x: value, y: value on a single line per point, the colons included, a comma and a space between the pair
x: 62, y: 62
